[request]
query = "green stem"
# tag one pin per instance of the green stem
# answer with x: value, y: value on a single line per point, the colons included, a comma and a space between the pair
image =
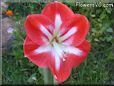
x: 54, y: 81
x: 48, y: 78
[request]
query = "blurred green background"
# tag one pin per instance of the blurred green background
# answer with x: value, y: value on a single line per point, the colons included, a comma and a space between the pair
x: 98, y: 68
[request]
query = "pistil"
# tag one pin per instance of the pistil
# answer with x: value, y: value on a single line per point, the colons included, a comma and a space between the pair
x: 55, y: 38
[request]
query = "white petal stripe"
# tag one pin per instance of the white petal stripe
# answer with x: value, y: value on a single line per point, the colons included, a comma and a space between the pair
x: 57, y: 61
x: 72, y: 31
x: 57, y: 52
x: 42, y: 49
x: 45, y: 31
x: 58, y: 21
x: 73, y: 50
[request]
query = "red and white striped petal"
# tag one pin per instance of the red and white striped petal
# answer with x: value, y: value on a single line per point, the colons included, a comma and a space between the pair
x: 68, y: 61
x: 39, y: 57
x: 75, y: 60
x: 58, y: 13
x: 38, y: 28
x: 74, y: 31
x: 63, y: 73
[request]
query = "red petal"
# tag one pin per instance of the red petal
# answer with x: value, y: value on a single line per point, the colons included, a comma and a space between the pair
x: 81, y: 26
x: 63, y: 73
x: 74, y: 60
x: 38, y: 59
x: 57, y: 8
x: 71, y: 61
x: 33, y: 28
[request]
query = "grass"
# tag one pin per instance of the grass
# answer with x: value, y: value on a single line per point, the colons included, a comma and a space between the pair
x: 96, y: 69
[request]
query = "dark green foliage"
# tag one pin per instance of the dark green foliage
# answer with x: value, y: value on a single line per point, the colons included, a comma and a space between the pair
x: 23, y: 9
x: 96, y: 69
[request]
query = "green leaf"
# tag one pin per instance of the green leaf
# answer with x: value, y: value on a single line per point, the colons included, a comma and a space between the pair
x: 110, y: 56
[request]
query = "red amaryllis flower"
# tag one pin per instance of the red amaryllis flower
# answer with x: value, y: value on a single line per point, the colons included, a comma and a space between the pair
x: 56, y: 39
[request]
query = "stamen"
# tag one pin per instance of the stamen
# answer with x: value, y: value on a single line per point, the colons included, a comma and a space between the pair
x: 55, y: 38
